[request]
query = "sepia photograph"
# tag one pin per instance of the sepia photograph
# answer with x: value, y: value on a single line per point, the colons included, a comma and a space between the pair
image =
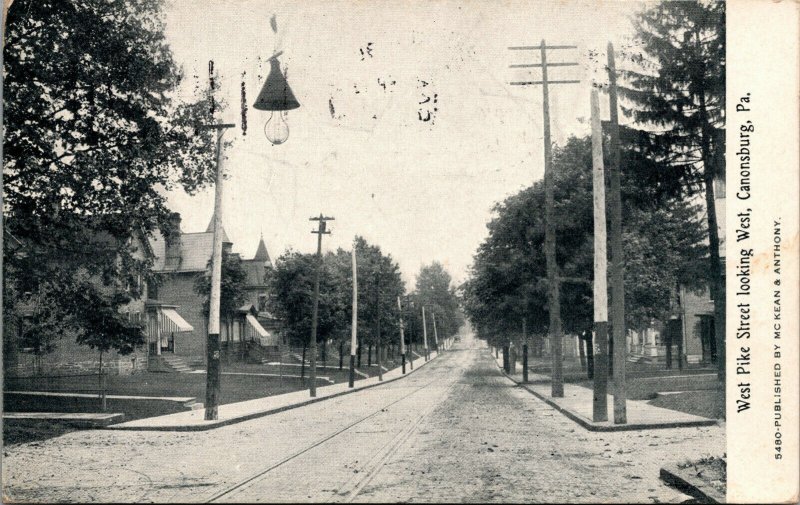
x: 425, y: 251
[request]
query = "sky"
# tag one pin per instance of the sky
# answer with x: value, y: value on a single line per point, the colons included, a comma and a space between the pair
x: 358, y: 150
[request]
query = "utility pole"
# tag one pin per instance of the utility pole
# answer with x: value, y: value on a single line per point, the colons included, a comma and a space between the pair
x: 553, y: 296
x: 524, y: 351
x: 435, y: 333
x: 354, y: 324
x: 410, y: 333
x: 322, y: 220
x: 402, y: 336
x: 425, y: 334
x: 379, y: 313
x: 600, y: 363
x: 617, y: 256
x: 213, y: 370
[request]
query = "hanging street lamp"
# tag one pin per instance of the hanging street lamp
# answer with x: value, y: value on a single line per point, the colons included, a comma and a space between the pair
x: 276, y: 96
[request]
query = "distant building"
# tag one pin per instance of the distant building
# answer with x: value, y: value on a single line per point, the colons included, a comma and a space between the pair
x: 182, y: 258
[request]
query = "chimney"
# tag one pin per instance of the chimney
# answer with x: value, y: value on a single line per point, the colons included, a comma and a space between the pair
x: 173, y: 242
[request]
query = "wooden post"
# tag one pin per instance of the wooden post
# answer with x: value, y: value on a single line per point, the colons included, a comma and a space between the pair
x: 553, y: 296
x: 213, y: 369
x: 402, y: 336
x: 435, y: 333
x: 354, y: 323
x: 379, y: 345
x: 524, y: 351
x: 322, y: 226
x: 600, y: 351
x: 617, y: 254
x: 425, y: 334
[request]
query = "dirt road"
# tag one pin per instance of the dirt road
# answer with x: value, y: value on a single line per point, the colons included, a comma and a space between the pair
x: 455, y: 430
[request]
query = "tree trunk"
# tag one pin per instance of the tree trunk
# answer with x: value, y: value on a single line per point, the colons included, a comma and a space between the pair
x: 717, y: 286
x: 581, y: 352
x: 589, y: 355
x: 369, y: 355
x: 341, y: 355
x: 358, y: 348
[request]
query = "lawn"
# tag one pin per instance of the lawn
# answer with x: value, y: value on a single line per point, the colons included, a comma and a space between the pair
x: 708, y: 403
x: 240, y: 382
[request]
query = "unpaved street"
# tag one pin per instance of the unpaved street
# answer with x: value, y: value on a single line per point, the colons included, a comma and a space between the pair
x: 455, y: 430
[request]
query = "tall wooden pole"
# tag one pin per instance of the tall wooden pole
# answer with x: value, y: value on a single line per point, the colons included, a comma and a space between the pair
x: 553, y: 297
x: 524, y: 351
x: 435, y: 333
x: 617, y: 254
x: 411, y: 335
x: 425, y: 334
x: 378, y: 346
x: 354, y: 323
x: 600, y: 363
x: 402, y: 336
x: 213, y: 371
x: 312, y: 348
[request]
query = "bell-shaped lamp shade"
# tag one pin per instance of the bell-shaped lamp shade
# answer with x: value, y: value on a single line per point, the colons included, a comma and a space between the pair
x: 276, y: 96
x: 276, y: 93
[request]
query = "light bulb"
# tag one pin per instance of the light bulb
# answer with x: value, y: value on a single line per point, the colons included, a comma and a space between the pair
x: 276, y: 129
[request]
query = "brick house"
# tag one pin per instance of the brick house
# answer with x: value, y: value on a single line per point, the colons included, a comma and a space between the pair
x: 692, y: 322
x: 69, y: 357
x: 180, y: 260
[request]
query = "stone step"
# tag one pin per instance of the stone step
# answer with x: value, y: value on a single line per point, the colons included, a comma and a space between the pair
x: 72, y: 418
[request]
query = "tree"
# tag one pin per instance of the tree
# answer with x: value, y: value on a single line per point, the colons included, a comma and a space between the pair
x: 434, y: 291
x: 92, y: 132
x: 507, y: 278
x: 379, y: 285
x: 291, y: 283
x: 233, y: 286
x: 676, y: 89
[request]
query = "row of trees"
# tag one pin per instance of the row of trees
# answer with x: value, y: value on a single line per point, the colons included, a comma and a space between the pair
x: 664, y: 239
x: 291, y: 285
x: 674, y: 89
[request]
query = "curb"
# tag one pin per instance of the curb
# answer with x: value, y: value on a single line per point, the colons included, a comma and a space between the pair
x: 680, y: 480
x: 262, y: 413
x: 590, y: 426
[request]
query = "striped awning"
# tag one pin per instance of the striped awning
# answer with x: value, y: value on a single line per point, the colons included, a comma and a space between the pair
x: 253, y: 329
x: 172, y: 322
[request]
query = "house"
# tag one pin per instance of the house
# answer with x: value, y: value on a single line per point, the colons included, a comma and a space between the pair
x: 69, y: 358
x: 692, y: 322
x: 180, y: 260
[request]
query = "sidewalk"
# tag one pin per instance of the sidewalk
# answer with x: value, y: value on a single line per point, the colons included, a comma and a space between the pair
x: 577, y: 405
x: 243, y: 411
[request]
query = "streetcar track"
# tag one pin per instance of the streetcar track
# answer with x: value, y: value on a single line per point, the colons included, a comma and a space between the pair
x: 353, y: 487
x: 244, y: 484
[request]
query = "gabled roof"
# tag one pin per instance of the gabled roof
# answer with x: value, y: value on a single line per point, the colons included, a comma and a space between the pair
x: 210, y: 229
x: 196, y: 251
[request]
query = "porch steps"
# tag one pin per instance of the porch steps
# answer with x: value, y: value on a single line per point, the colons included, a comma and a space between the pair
x: 169, y: 363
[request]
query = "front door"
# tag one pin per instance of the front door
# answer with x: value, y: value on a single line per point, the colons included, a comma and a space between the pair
x: 708, y: 339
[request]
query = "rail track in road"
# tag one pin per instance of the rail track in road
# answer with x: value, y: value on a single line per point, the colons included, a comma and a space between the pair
x: 352, y: 487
